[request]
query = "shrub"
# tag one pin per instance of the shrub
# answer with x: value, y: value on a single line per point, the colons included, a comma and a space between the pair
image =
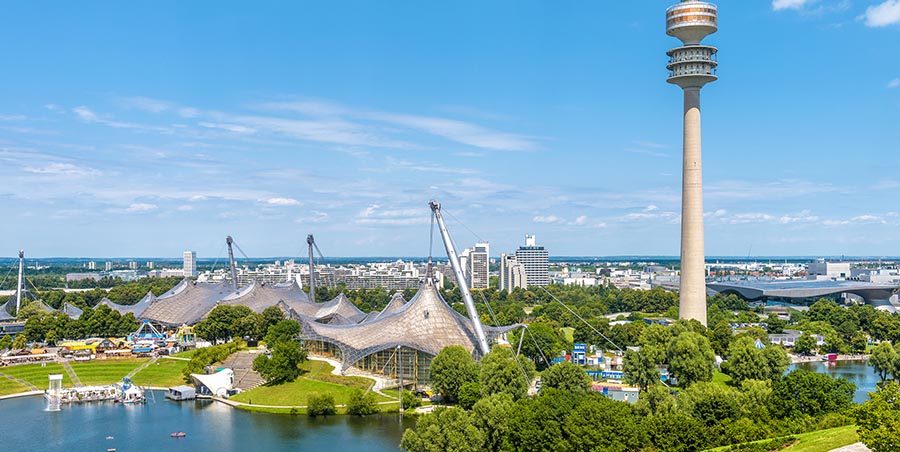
x: 320, y: 405
x: 362, y: 403
x: 410, y: 400
x: 469, y: 393
x: 210, y: 355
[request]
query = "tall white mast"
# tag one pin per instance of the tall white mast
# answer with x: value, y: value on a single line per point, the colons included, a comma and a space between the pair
x: 20, y: 286
x: 460, y: 278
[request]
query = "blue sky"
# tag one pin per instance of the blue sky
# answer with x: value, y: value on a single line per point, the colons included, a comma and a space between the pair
x: 147, y: 128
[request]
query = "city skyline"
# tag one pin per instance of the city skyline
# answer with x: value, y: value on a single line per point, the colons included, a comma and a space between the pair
x: 168, y: 132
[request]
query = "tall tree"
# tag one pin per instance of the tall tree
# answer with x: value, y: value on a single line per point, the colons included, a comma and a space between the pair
x: 566, y: 376
x: 883, y: 359
x: 451, y: 369
x: 691, y: 358
x: 500, y: 372
x: 640, y: 369
x: 878, y: 419
x: 446, y: 430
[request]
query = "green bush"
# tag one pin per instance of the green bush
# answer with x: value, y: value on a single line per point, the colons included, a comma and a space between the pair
x: 362, y: 403
x: 210, y: 355
x: 764, y: 446
x: 469, y: 393
x: 320, y: 405
x: 410, y: 400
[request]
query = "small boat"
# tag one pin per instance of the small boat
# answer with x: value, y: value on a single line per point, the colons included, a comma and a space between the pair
x: 109, y: 437
x: 178, y: 434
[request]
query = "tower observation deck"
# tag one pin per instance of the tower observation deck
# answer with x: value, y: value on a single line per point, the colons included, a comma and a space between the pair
x: 692, y: 66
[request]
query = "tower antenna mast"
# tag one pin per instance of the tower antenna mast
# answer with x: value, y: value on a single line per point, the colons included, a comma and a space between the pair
x: 234, y: 283
x: 460, y: 278
x: 311, y: 241
x: 20, y: 285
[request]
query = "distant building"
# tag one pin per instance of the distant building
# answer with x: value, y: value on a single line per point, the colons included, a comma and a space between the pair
x: 92, y: 265
x: 149, y: 265
x: 476, y: 262
x: 820, y: 269
x: 132, y: 265
x: 535, y: 259
x: 108, y: 266
x: 512, y: 273
x: 190, y: 264
x: 80, y: 276
x: 165, y: 273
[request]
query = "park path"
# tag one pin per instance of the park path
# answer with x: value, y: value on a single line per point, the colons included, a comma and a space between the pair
x: 856, y: 447
x: 241, y: 363
x: 142, y: 367
x: 21, y: 381
x: 71, y: 372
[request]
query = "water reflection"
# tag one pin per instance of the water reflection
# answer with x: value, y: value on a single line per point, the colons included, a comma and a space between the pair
x: 856, y: 371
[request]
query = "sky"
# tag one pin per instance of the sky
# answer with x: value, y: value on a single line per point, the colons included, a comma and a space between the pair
x: 148, y: 128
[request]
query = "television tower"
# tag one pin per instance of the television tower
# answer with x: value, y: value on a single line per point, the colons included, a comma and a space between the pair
x: 692, y: 66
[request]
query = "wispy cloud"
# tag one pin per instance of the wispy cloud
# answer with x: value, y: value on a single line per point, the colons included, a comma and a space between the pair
x: 88, y: 115
x: 547, y: 219
x: 895, y: 83
x: 140, y: 207
x: 64, y: 169
x: 883, y: 14
x: 282, y: 202
x: 779, y: 5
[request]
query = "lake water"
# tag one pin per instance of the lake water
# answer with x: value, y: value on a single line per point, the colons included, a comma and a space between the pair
x: 856, y: 371
x: 209, y: 426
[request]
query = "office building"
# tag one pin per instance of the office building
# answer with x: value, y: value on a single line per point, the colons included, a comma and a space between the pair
x: 190, y: 264
x: 535, y: 260
x: 476, y: 262
x: 512, y: 273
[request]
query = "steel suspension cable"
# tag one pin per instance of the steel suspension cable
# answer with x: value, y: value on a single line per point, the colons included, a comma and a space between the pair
x: 582, y: 319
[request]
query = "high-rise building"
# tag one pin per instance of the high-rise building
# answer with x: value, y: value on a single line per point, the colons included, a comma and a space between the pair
x: 149, y: 265
x: 692, y: 66
x: 132, y: 265
x: 92, y: 265
x: 512, y: 273
x: 190, y: 264
x: 108, y: 266
x: 535, y: 259
x: 476, y: 262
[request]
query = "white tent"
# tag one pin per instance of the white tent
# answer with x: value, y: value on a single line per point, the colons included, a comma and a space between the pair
x: 217, y: 384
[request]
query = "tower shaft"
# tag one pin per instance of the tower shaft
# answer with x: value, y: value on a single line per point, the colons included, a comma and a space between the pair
x: 692, y: 293
x: 20, y: 282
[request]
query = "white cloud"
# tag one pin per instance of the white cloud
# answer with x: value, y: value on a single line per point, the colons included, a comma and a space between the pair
x: 185, y: 208
x: 581, y: 220
x: 895, y: 83
x: 651, y: 208
x: 779, y: 5
x: 88, y: 115
x: 835, y: 222
x: 64, y: 169
x: 804, y: 216
x: 236, y: 128
x: 140, y: 207
x: 317, y: 217
x: 884, y: 14
x: 282, y: 202
x: 867, y: 218
x: 548, y: 219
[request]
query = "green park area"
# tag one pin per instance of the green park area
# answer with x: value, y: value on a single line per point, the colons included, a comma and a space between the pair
x: 8, y: 387
x: 817, y: 441
x: 315, y: 379
x: 104, y: 372
x: 36, y: 374
x: 163, y: 373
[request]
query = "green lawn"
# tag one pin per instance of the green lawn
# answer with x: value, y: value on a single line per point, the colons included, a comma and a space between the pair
x: 825, y: 440
x: 104, y: 372
x: 185, y: 354
x: 36, y: 374
x: 8, y: 386
x: 819, y: 440
x: 722, y: 379
x: 163, y: 373
x: 317, y: 378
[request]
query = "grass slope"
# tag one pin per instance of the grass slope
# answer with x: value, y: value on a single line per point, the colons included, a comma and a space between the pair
x: 36, y: 374
x: 817, y: 441
x: 104, y: 372
x: 8, y: 387
x: 317, y: 378
x: 164, y: 373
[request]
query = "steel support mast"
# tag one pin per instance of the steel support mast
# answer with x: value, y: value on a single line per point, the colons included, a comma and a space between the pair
x: 460, y: 278
x: 20, y: 281
x: 311, y: 241
x: 234, y: 282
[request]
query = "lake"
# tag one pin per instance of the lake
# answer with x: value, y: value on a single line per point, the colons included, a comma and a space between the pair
x: 209, y: 426
x: 856, y: 371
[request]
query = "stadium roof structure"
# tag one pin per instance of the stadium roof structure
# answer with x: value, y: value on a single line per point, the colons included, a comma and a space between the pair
x: 186, y: 303
x: 396, y: 304
x: 258, y: 296
x: 804, y: 290
x: 6, y: 310
x: 425, y: 323
x: 137, y: 309
x: 74, y: 312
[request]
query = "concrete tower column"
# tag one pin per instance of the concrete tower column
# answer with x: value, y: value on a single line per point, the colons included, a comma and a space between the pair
x: 692, y: 296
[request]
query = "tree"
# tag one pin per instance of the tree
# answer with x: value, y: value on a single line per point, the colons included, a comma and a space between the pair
x: 600, y: 420
x: 675, y: 432
x: 410, y: 400
x: 447, y: 430
x: 640, y: 369
x: 20, y: 342
x: 220, y: 323
x: 271, y: 316
x: 282, y: 331
x: 541, y: 341
x: 566, y: 376
x: 451, y: 369
x: 878, y: 420
x: 746, y: 362
x: 6, y: 342
x: 720, y: 337
x: 284, y: 364
x: 320, y: 405
x: 537, y: 424
x: 690, y: 358
x: 810, y: 393
x: 361, y: 403
x: 469, y: 394
x: 491, y: 416
x: 859, y: 342
x: 805, y: 344
x: 774, y: 324
x: 51, y: 337
x: 500, y: 372
x: 712, y: 403
x: 883, y: 359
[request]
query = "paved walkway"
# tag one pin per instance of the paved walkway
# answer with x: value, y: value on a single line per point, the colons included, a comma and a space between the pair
x: 142, y: 367
x: 20, y: 381
x: 71, y: 372
x: 858, y: 447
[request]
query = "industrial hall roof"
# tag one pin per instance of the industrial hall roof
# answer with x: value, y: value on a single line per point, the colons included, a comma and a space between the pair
x: 137, y: 309
x: 425, y: 323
